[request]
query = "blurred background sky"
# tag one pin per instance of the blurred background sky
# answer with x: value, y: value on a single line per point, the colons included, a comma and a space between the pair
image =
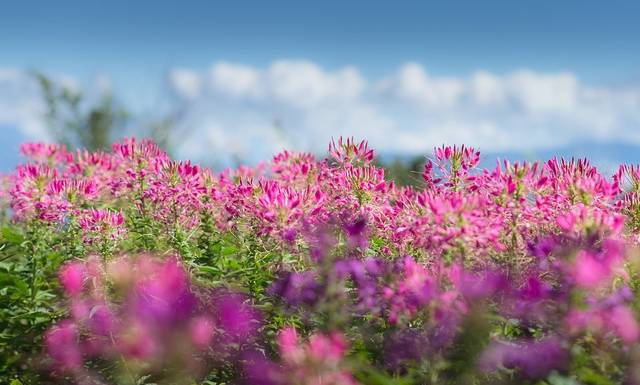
x: 249, y: 78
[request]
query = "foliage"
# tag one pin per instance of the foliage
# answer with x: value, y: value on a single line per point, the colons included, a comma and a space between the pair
x: 74, y: 123
x: 92, y: 122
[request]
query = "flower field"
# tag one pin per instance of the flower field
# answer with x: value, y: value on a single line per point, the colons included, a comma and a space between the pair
x: 127, y: 267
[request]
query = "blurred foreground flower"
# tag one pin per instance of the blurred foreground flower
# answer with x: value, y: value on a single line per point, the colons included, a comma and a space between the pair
x: 142, y: 316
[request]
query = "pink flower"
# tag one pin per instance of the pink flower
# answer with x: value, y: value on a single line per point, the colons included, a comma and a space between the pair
x: 624, y: 323
x: 140, y: 310
x: 72, y: 277
x: 62, y: 345
x: 137, y: 341
x: 318, y: 362
x: 348, y: 153
x: 46, y: 153
x: 330, y: 348
x: 566, y: 222
x: 288, y: 344
x: 101, y: 225
x: 202, y: 331
x: 589, y: 272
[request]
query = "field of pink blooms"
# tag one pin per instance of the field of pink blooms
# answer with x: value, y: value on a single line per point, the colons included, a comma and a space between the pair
x: 127, y: 267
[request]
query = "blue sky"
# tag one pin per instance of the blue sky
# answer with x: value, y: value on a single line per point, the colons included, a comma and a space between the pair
x: 596, y: 40
x: 433, y: 54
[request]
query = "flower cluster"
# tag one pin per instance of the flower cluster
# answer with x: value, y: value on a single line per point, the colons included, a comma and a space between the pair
x: 507, y: 274
x: 97, y: 224
x: 462, y: 211
x: 143, y: 315
x: 320, y: 361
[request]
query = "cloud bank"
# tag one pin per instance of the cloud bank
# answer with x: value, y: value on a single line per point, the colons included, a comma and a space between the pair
x: 299, y: 103
x: 21, y: 106
x: 252, y: 112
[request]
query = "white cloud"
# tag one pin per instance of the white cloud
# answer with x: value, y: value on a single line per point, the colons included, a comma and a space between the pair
x: 256, y: 111
x: 412, y: 83
x: 20, y: 103
x: 305, y: 85
x: 487, y: 89
x: 235, y: 81
x: 540, y: 94
x: 291, y: 103
x: 186, y: 83
x: 409, y: 109
x: 296, y: 83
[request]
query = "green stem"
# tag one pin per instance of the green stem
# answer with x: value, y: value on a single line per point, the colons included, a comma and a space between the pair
x: 34, y: 265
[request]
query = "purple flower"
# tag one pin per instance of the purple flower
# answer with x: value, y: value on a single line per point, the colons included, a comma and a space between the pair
x: 297, y: 288
x: 236, y: 317
x: 534, y: 359
x: 404, y: 347
x: 164, y: 297
x: 101, y: 320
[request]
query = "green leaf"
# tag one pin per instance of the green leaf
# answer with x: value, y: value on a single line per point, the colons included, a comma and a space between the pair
x: 228, y: 250
x: 589, y: 376
x: 208, y: 269
x: 11, y: 235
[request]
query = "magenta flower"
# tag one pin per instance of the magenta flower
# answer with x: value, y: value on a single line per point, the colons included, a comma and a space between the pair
x: 143, y: 312
x: 72, y: 277
x: 46, y: 153
x: 202, y: 331
x: 590, y: 272
x: 349, y: 153
x: 101, y: 225
x: 624, y: 322
x: 62, y: 345
x: 318, y: 362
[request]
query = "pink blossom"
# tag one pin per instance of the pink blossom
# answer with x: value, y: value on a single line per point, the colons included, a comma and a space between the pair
x: 589, y: 272
x: 62, y: 345
x: 624, y: 323
x: 318, y: 362
x: 202, y: 331
x: 72, y: 277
